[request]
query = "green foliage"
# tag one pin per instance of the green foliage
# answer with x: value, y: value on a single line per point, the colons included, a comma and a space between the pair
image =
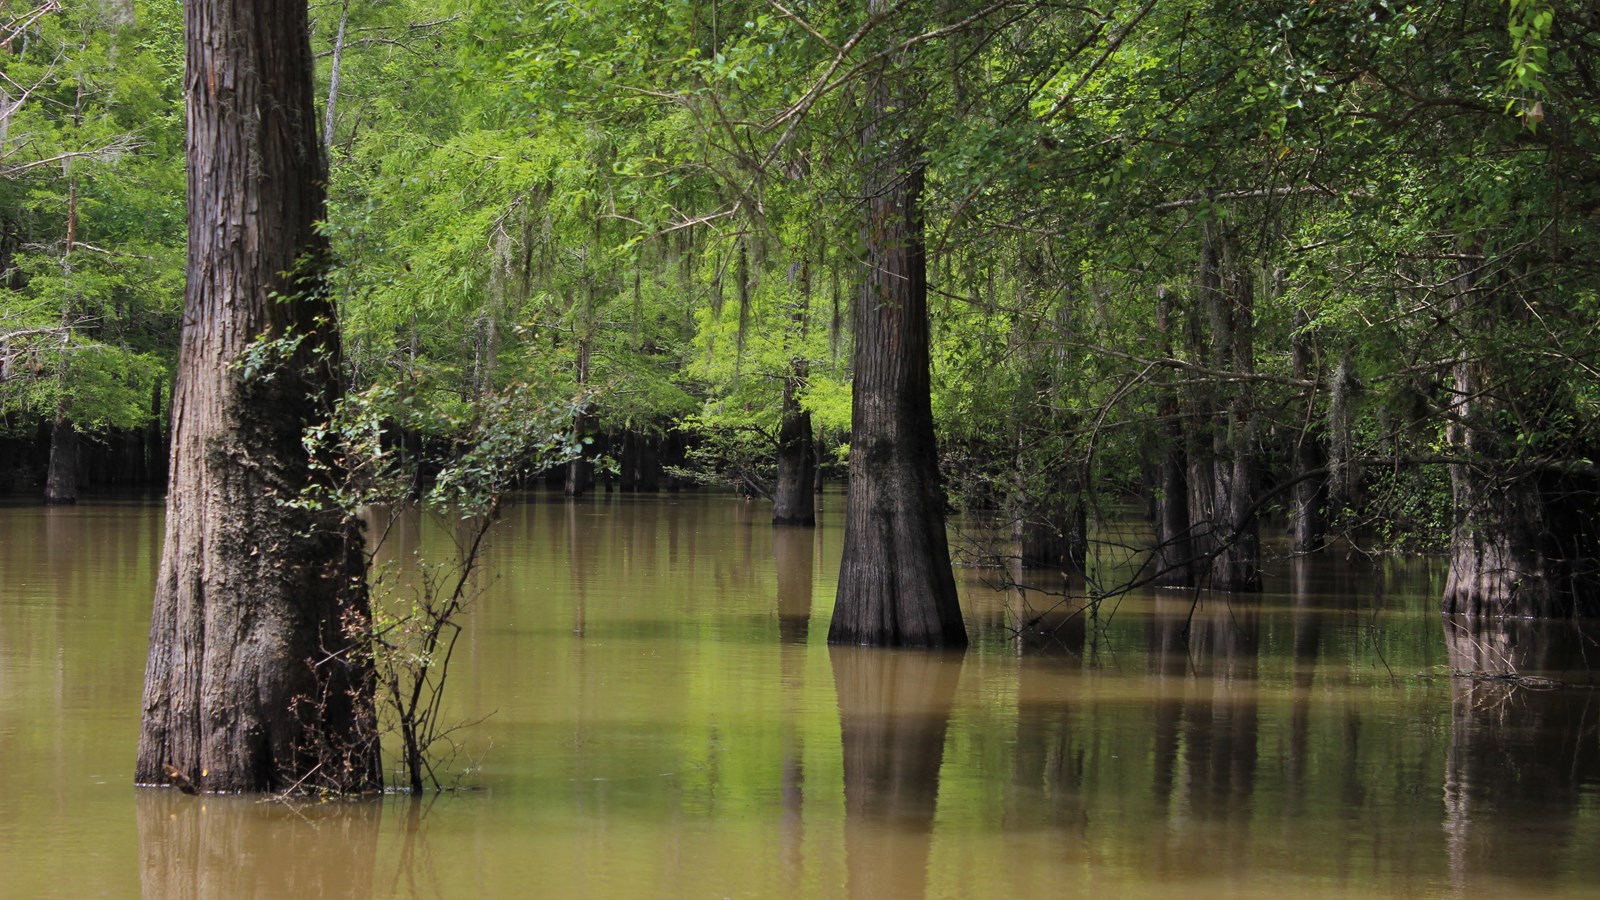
x: 92, y: 147
x: 655, y: 207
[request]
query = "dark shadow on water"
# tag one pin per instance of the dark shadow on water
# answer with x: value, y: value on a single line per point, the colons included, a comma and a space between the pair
x: 894, y: 709
x: 244, y: 847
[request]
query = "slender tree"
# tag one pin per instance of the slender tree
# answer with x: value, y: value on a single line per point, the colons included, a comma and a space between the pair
x: 246, y: 688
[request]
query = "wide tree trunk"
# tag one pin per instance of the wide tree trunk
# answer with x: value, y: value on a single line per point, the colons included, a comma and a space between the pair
x: 794, y: 499
x: 895, y: 583
x: 1526, y: 542
x: 251, y: 684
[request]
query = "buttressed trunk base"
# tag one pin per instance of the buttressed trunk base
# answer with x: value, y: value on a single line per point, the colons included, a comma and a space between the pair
x: 255, y: 680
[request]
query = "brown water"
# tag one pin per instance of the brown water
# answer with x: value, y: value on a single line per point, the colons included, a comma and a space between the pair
x: 665, y: 720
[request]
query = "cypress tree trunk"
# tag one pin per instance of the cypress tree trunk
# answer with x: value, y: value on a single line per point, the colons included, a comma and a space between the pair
x: 1228, y: 296
x: 1173, y: 560
x: 61, y: 482
x: 1308, y: 504
x: 1054, y: 532
x: 580, y: 471
x: 794, y: 500
x: 246, y: 688
x: 1526, y: 542
x: 1497, y: 567
x: 895, y: 583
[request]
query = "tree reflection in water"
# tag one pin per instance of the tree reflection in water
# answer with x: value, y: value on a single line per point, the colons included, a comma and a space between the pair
x: 795, y: 562
x: 1524, y: 747
x: 1206, y: 736
x: 243, y: 847
x: 894, y: 708
x: 796, y: 567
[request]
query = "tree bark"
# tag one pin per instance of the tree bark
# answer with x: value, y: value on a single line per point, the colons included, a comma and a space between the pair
x: 1308, y: 504
x: 61, y: 482
x: 895, y: 583
x: 1228, y: 296
x: 794, y: 500
x: 1173, y: 559
x: 1525, y: 541
x: 249, y: 684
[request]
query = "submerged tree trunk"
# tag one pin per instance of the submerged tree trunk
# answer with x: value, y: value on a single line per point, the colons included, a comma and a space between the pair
x: 250, y: 685
x: 1173, y: 560
x: 1526, y: 542
x: 794, y: 499
x: 61, y: 482
x: 1308, y: 503
x: 895, y: 583
x: 1227, y: 293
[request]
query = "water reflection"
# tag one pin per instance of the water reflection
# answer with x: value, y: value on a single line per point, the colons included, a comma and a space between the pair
x: 796, y: 567
x: 1207, y: 721
x: 663, y: 721
x: 1047, y: 612
x: 795, y: 562
x: 894, y: 708
x: 1523, y: 748
x: 241, y: 847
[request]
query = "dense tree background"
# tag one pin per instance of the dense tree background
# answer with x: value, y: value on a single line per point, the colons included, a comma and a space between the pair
x: 1271, y: 275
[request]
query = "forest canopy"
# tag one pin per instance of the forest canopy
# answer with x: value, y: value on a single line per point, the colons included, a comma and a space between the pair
x: 1327, y: 267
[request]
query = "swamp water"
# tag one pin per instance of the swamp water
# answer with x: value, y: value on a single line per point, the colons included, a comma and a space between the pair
x: 664, y: 718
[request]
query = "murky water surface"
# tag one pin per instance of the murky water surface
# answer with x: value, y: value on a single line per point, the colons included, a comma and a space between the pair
x: 665, y: 719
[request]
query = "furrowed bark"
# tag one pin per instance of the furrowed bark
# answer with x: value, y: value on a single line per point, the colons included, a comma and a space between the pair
x: 246, y: 688
x: 895, y: 583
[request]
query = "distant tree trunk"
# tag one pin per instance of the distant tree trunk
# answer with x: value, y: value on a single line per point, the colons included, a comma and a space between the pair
x: 246, y: 688
x: 1053, y: 527
x: 1526, y: 541
x: 1173, y: 560
x: 61, y: 482
x: 330, y: 109
x: 155, y: 443
x: 1344, y: 473
x: 580, y: 471
x: 1307, y: 511
x: 1056, y: 536
x: 1228, y: 296
x: 640, y: 462
x: 794, y: 500
x: 895, y: 583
